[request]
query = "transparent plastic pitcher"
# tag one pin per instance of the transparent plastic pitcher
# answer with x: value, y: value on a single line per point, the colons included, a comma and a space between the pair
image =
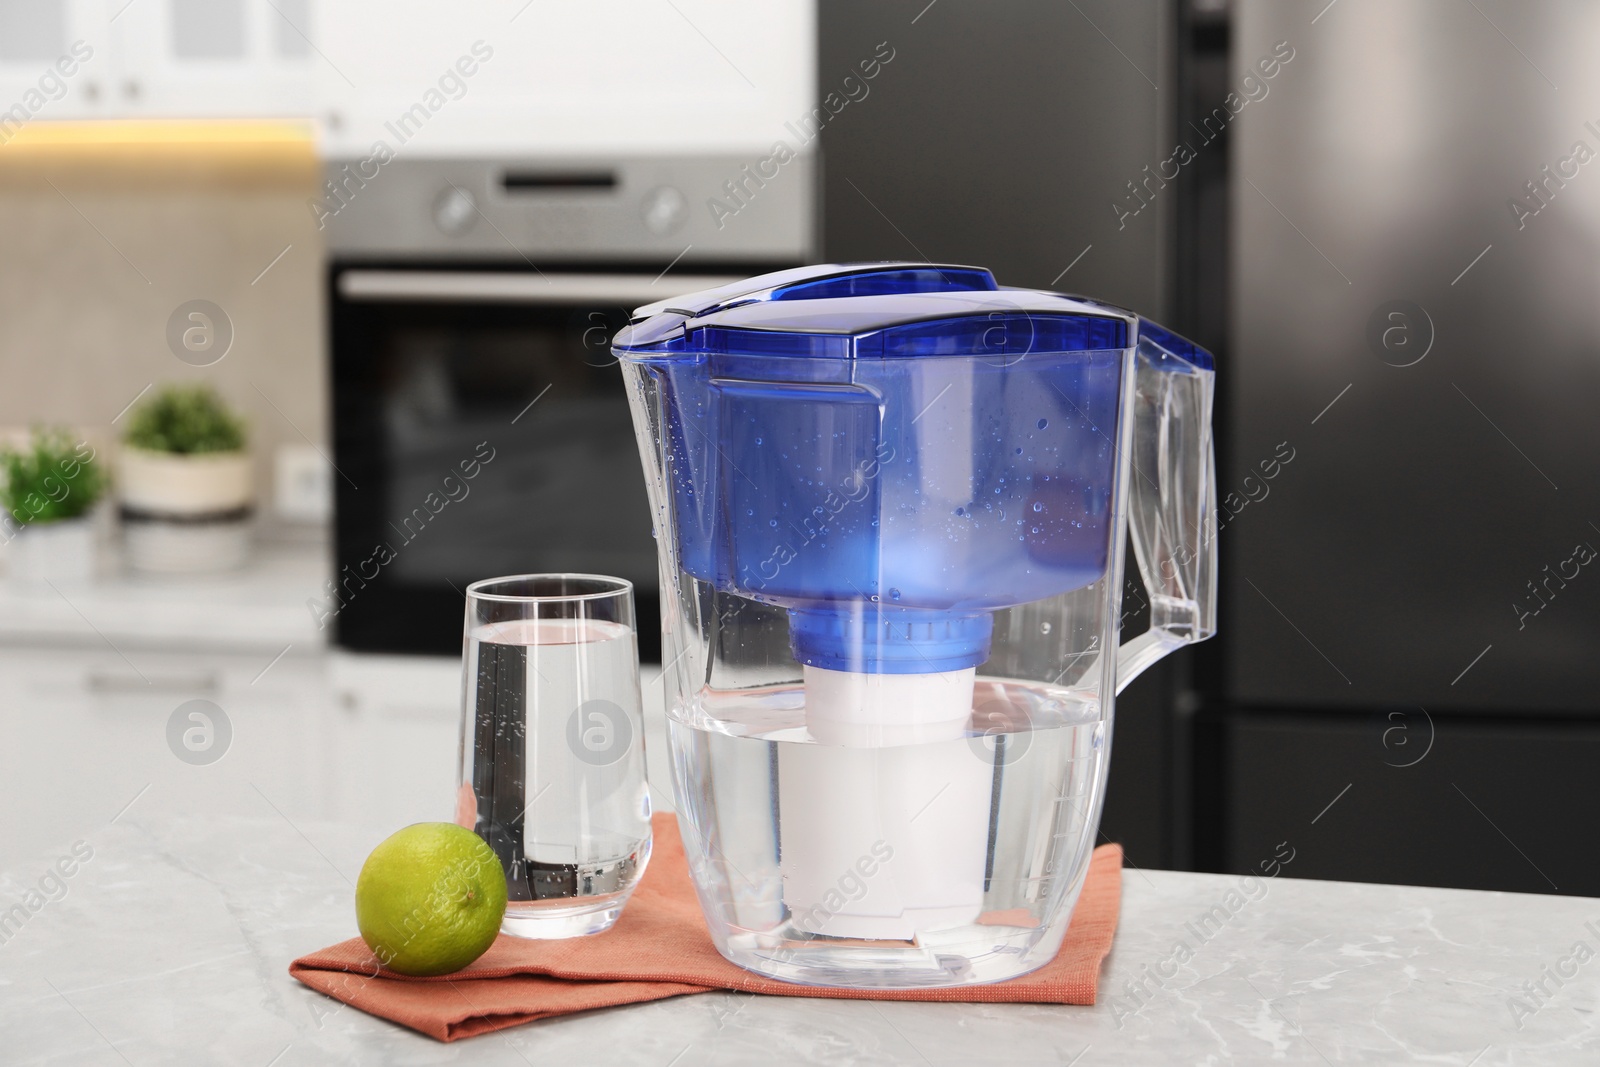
x: 891, y: 502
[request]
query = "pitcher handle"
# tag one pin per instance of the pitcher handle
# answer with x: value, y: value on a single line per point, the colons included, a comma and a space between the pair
x: 1173, y: 498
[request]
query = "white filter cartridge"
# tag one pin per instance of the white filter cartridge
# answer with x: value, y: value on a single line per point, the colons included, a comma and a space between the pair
x: 884, y: 821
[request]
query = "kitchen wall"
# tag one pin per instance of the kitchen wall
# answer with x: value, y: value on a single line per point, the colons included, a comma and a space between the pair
x: 103, y: 239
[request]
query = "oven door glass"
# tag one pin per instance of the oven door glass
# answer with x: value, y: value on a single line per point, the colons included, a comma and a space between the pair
x: 481, y: 429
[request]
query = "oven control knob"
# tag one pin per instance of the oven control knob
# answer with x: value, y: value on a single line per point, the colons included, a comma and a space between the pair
x: 455, y: 211
x: 665, y: 210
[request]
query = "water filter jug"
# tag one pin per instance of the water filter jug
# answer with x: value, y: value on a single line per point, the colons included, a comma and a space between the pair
x: 891, y: 502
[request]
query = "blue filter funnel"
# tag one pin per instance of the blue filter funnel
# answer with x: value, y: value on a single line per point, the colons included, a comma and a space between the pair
x: 830, y: 451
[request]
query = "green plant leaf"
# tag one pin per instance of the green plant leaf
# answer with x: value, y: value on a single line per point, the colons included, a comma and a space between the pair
x: 187, y: 420
x: 53, y: 479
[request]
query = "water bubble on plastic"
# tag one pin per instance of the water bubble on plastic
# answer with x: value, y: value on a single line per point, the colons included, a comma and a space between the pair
x: 1037, y: 506
x: 1044, y: 627
x: 1043, y: 423
x: 894, y: 594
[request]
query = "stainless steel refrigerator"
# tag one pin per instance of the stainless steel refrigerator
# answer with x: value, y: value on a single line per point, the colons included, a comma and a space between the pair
x: 1409, y: 682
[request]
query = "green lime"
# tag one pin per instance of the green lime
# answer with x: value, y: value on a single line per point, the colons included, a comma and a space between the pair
x: 430, y: 899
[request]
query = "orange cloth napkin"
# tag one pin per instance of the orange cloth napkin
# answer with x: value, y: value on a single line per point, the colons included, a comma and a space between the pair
x: 660, y: 948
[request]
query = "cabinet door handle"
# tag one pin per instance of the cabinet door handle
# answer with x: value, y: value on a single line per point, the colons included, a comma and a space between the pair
x: 100, y: 681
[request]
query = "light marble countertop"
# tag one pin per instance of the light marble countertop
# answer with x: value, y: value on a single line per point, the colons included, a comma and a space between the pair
x: 171, y: 946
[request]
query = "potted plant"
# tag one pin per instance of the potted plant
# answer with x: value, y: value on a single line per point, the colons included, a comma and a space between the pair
x: 48, y: 491
x: 184, y: 483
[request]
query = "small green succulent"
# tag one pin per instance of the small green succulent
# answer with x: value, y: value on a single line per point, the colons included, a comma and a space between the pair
x: 187, y: 420
x: 51, y: 480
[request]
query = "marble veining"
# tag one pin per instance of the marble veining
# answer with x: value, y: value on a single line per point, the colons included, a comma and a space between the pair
x: 170, y: 946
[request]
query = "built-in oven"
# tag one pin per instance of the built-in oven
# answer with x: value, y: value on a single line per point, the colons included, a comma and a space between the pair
x: 481, y: 429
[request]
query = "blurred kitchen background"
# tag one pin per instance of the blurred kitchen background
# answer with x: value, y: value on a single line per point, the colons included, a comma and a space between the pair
x: 408, y: 231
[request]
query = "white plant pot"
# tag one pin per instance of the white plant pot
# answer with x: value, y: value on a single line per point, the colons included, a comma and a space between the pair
x: 165, y: 483
x: 184, y: 514
x: 59, y: 553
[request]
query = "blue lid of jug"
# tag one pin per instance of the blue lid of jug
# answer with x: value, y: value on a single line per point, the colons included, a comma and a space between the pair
x: 880, y: 310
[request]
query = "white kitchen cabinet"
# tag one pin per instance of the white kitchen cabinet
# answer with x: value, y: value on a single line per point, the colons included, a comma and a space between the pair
x: 370, y: 740
x: 215, y: 58
x: 86, y: 735
x: 156, y: 59
x: 504, y: 78
x: 394, y: 738
x: 90, y: 681
x: 56, y: 61
x: 508, y: 77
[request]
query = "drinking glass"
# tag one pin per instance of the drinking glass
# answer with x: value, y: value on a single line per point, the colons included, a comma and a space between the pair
x: 552, y: 771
